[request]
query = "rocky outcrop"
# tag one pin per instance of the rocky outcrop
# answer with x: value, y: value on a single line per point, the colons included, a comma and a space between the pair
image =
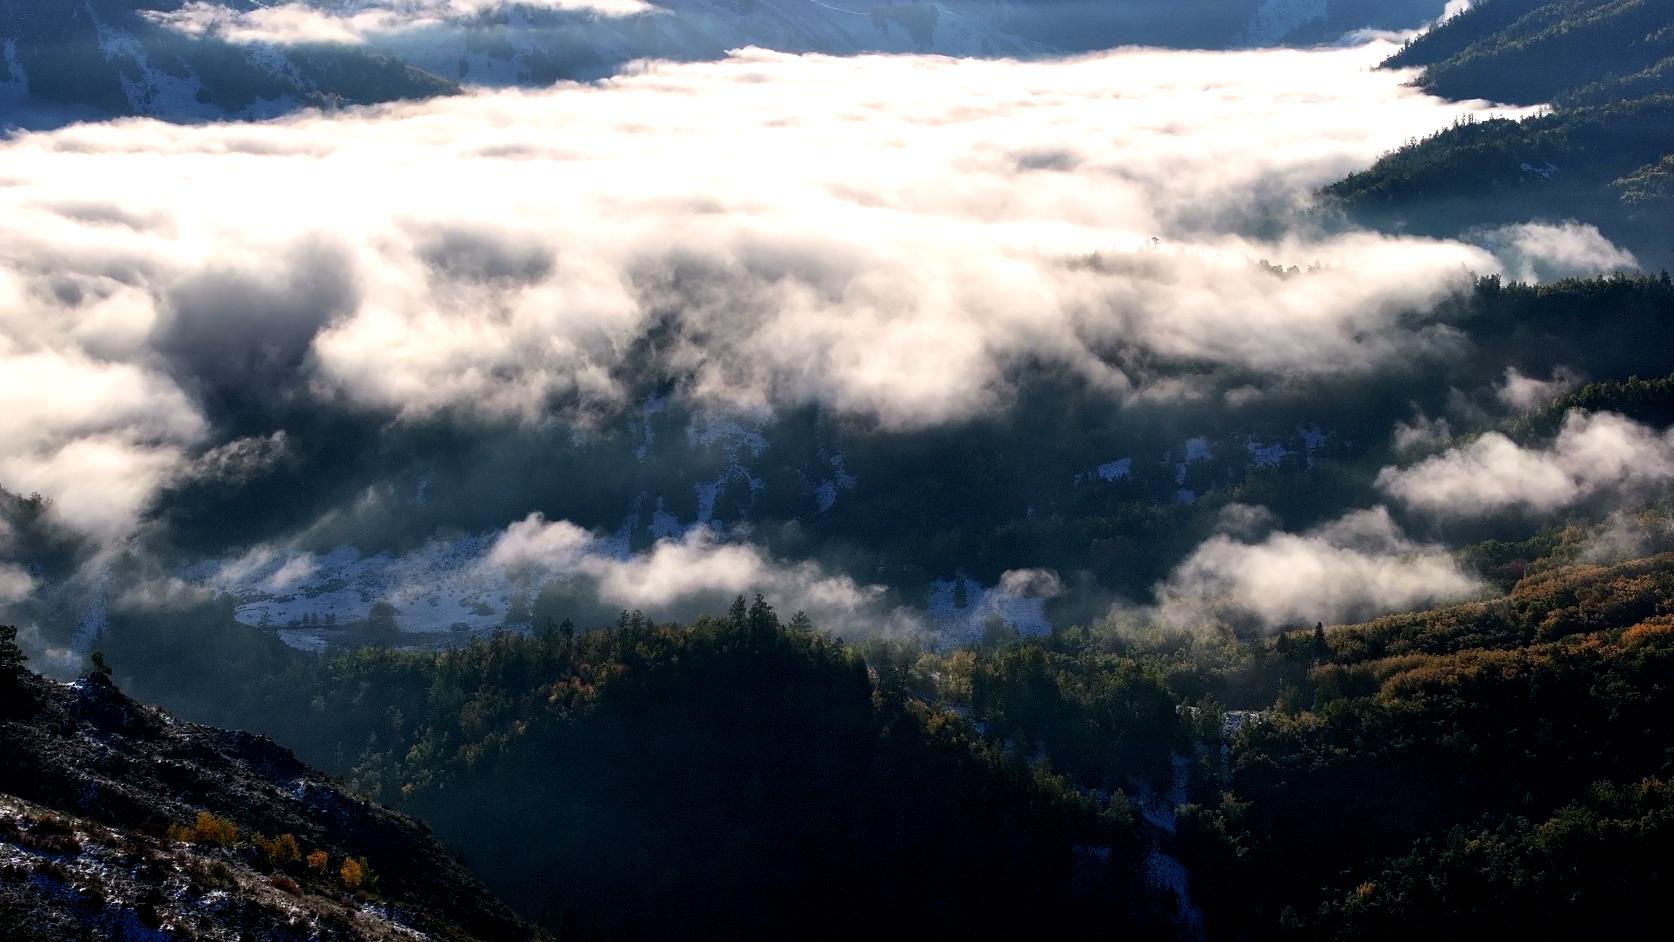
x: 101, y: 802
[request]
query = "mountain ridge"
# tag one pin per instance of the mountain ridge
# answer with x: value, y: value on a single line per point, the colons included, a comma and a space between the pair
x: 117, y: 818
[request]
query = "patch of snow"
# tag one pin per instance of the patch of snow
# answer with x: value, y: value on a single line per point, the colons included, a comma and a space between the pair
x: 826, y: 495
x: 734, y: 438
x: 665, y: 524
x: 1197, y: 449
x: 1276, y: 19
x: 1159, y: 810
x: 706, y: 495
x: 434, y: 588
x: 730, y: 434
x: 302, y: 639
x: 1170, y: 874
x: 648, y: 435
x: 1166, y: 872
x: 826, y: 491
x: 966, y: 622
x: 1267, y: 456
x: 149, y: 90
x: 1115, y: 470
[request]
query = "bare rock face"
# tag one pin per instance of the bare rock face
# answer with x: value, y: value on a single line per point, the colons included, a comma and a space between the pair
x: 119, y: 822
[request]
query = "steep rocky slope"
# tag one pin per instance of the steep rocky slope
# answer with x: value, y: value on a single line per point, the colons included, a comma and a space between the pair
x: 118, y: 821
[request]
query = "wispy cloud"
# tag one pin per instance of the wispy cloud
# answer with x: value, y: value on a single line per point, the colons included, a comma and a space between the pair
x: 1352, y: 568
x: 1593, y: 453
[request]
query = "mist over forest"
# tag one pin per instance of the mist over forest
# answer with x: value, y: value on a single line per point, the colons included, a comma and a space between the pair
x: 1199, y: 470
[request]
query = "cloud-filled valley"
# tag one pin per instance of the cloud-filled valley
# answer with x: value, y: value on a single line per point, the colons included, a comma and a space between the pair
x: 727, y: 469
x: 897, y: 242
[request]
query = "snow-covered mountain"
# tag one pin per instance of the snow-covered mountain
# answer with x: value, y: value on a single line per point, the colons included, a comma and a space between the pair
x: 75, y: 59
x: 212, y: 59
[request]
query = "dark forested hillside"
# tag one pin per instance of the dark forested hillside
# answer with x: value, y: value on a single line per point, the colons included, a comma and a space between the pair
x: 1605, y: 67
x: 718, y: 781
x: 1431, y: 771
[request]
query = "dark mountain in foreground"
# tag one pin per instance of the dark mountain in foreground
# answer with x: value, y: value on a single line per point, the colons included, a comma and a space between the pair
x: 733, y: 779
x: 118, y: 821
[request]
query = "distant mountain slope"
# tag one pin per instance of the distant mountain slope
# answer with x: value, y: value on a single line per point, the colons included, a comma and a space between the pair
x: 214, y: 59
x: 1530, y: 52
x: 117, y: 821
x: 530, y: 45
x: 1600, y: 156
x: 102, y: 58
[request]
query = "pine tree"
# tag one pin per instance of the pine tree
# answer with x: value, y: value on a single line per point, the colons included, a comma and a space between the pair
x: 763, y: 623
x: 11, y: 656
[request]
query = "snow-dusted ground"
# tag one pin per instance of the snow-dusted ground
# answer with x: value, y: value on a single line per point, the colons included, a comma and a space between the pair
x: 1277, y: 18
x: 152, y: 91
x: 445, y: 585
x: 530, y: 42
x: 1161, y: 868
x: 1114, y: 470
x: 734, y: 439
x: 1266, y: 456
x: 827, y: 489
x: 440, y: 586
x: 1196, y: 450
x: 955, y: 622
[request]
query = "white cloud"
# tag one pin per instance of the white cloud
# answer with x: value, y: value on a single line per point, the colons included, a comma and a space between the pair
x: 1544, y: 252
x: 1355, y: 567
x: 891, y: 237
x: 1593, y: 453
x: 15, y: 583
x: 1031, y: 583
x: 1421, y: 432
x: 1526, y: 392
x: 691, y: 575
x: 1627, y: 536
x: 535, y: 545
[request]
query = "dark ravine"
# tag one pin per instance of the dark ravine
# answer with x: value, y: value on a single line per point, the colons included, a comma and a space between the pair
x: 96, y: 792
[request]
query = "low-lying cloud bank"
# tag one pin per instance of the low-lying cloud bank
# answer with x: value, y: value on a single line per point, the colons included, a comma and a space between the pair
x: 1358, y: 566
x: 487, y: 580
x: 1593, y: 454
x: 684, y: 577
x: 891, y: 238
x: 1546, y: 252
